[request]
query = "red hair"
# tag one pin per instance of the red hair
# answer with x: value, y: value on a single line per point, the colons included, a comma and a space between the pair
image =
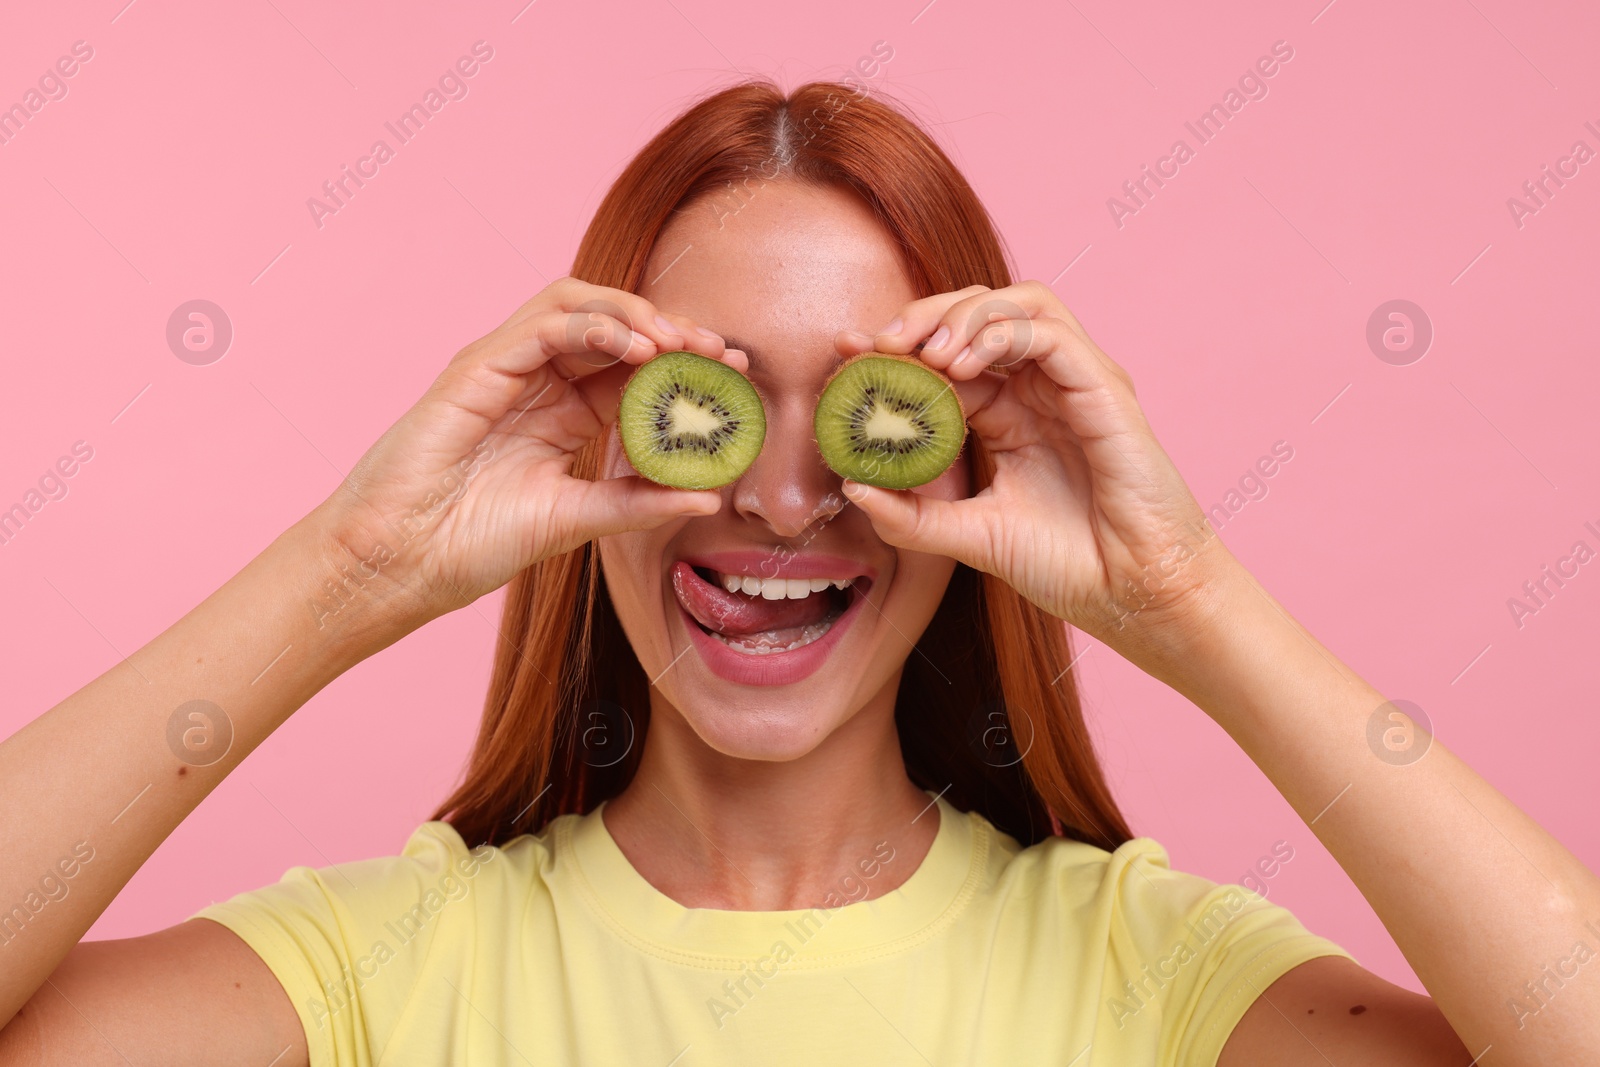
x: 1002, y: 673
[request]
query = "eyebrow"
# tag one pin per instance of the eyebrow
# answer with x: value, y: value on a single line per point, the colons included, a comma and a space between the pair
x: 743, y: 346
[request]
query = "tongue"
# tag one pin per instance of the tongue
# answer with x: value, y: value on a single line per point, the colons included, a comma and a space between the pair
x: 740, y: 614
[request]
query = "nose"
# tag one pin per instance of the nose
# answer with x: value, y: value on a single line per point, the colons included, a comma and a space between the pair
x: 788, y: 488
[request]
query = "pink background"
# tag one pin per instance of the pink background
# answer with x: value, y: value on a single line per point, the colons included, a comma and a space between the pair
x: 1378, y: 167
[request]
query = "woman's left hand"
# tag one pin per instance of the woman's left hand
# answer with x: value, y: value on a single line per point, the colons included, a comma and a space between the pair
x: 1086, y: 516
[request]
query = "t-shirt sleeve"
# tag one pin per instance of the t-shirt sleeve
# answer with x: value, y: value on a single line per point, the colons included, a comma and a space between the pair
x: 1188, y: 955
x: 348, y: 941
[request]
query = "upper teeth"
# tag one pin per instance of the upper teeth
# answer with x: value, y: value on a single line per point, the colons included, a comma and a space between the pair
x: 778, y: 588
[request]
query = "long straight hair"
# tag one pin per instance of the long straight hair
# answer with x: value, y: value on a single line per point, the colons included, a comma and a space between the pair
x: 987, y: 709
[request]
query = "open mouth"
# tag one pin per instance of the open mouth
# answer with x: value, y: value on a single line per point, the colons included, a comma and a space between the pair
x: 763, y: 616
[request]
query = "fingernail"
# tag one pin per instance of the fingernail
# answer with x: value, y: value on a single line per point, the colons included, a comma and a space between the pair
x: 667, y: 327
x: 961, y: 357
x: 894, y: 327
x: 707, y: 333
x: 938, y: 339
x: 641, y: 339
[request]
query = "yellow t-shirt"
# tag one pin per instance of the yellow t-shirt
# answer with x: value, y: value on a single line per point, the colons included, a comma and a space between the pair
x: 552, y: 949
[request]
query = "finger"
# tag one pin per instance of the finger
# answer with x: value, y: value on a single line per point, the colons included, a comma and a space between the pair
x: 593, y: 314
x: 1011, y: 421
x: 1092, y: 399
x: 1005, y: 343
x: 851, y: 343
x: 976, y: 393
x: 708, y: 343
x: 1052, y: 306
x: 603, y: 393
x: 965, y: 320
x: 581, y: 343
x: 618, y: 505
x: 918, y: 319
x: 524, y: 366
x: 572, y: 294
x: 1001, y: 328
x: 571, y: 330
x: 574, y: 342
x: 594, y: 343
x: 916, y: 522
x: 693, y: 338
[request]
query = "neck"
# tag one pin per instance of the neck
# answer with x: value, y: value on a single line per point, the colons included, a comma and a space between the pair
x: 714, y: 831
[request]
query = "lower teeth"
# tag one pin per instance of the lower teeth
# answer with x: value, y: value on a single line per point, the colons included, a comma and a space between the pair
x: 762, y: 644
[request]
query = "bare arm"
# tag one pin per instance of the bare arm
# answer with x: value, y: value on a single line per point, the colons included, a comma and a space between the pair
x: 1479, y: 898
x: 468, y: 488
x: 1087, y: 516
x: 1331, y: 1009
x: 95, y: 776
x: 192, y: 993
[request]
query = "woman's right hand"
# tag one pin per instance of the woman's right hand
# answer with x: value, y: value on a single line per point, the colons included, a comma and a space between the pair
x: 472, y: 484
x: 469, y: 487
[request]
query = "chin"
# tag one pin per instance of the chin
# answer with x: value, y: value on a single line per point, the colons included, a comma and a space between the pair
x: 750, y: 730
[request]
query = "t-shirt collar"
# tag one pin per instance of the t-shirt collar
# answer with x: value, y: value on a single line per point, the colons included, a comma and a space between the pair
x: 641, y: 914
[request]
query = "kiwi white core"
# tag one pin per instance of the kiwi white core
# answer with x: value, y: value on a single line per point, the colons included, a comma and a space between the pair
x: 886, y: 425
x: 687, y: 417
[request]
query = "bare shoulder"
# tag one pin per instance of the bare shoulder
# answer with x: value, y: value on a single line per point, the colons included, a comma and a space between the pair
x: 1331, y: 1009
x: 192, y: 993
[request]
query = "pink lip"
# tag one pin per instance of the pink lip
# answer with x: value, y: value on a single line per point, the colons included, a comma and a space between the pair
x: 774, y: 668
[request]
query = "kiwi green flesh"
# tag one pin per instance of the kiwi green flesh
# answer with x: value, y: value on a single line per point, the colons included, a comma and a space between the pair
x: 690, y: 422
x: 889, y: 422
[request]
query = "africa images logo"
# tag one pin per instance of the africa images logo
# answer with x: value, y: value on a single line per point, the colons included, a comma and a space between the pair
x: 452, y: 85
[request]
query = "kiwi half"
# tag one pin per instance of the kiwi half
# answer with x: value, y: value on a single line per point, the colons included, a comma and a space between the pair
x: 690, y: 422
x: 891, y: 421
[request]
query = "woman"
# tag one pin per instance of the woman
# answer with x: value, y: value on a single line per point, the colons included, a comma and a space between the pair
x: 863, y: 821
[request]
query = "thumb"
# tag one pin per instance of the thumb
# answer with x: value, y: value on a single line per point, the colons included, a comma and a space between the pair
x: 617, y: 505
x: 912, y: 521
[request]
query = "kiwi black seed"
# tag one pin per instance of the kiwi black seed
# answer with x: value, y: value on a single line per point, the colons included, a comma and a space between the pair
x: 690, y: 422
x: 888, y: 420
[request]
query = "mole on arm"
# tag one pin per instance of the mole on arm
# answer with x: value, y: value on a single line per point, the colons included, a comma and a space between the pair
x: 182, y: 771
x: 1358, y: 1009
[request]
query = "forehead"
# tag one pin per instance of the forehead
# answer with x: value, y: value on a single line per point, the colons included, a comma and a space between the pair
x: 780, y: 266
